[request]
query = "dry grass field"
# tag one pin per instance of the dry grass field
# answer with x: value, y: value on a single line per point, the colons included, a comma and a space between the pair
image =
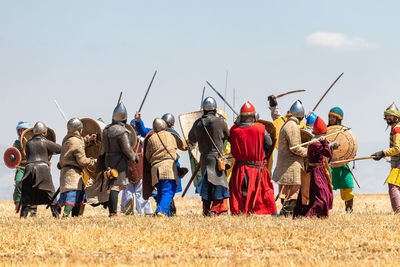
x: 369, y: 236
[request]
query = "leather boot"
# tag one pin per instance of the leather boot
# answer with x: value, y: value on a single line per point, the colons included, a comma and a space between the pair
x: 113, y: 203
x: 172, y: 208
x: 24, y: 211
x: 206, y: 208
x: 349, y: 205
x: 287, y: 209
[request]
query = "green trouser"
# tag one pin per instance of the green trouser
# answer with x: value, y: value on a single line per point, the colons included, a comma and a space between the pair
x: 18, y: 186
x: 67, y: 210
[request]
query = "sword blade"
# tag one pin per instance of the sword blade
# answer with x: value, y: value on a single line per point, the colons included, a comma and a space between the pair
x: 330, y: 87
x: 290, y: 92
x: 223, y: 99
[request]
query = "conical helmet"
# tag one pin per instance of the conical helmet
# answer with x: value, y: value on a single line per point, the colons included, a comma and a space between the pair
x: 74, y: 124
x: 392, y: 110
x: 319, y: 126
x: 297, y: 109
x: 159, y: 125
x: 169, y: 119
x: 120, y: 114
x: 209, y: 104
x: 247, y: 109
x: 39, y: 128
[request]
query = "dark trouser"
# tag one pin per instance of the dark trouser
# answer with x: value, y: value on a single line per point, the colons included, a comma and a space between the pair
x: 172, y: 208
x: 287, y: 208
x: 113, y: 203
x: 26, y: 209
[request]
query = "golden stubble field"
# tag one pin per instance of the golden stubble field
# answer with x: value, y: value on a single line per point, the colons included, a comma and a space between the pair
x: 369, y: 236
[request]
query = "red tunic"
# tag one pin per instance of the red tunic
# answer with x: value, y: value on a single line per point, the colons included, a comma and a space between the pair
x: 247, y: 146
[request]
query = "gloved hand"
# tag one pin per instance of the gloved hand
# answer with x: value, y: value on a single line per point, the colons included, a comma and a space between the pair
x: 272, y: 101
x: 378, y: 155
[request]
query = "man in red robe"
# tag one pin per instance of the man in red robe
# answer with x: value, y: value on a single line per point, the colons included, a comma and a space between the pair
x: 250, y: 186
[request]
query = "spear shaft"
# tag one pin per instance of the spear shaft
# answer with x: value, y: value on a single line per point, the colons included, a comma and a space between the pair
x: 223, y: 99
x: 148, y: 89
x: 330, y: 87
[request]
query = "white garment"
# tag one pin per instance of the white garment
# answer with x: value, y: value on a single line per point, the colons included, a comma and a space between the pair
x: 142, y: 206
x: 275, y: 114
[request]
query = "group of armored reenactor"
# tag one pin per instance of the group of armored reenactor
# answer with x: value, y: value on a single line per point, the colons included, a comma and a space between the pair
x: 234, y: 165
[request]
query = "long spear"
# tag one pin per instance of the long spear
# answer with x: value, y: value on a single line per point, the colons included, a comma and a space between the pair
x: 223, y: 99
x: 348, y: 160
x: 148, y: 89
x: 119, y: 99
x: 354, y: 178
x: 196, y: 170
x: 62, y: 112
x: 330, y: 87
x: 315, y: 140
x: 202, y: 98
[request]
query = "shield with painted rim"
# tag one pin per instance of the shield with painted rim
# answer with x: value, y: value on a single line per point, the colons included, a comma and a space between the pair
x: 12, y: 157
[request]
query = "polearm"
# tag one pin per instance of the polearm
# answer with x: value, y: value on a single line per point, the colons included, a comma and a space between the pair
x: 148, y: 89
x: 202, y: 98
x: 354, y: 178
x: 196, y: 170
x: 119, y: 99
x: 62, y: 112
x: 330, y: 87
x: 53, y: 198
x: 349, y: 160
x: 290, y: 92
x: 223, y: 99
x: 58, y: 190
x: 316, y: 140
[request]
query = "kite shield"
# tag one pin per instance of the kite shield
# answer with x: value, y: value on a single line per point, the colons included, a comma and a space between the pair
x: 186, y: 121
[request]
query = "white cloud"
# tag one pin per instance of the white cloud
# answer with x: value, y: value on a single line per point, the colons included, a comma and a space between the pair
x: 338, y: 41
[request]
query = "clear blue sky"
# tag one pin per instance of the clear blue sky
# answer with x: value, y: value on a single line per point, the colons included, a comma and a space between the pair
x: 83, y: 53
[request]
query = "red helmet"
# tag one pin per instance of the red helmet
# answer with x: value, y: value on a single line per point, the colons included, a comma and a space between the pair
x: 319, y: 126
x: 247, y: 109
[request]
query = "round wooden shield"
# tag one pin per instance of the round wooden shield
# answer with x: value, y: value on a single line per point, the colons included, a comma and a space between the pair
x: 132, y: 135
x: 28, y: 134
x: 269, y: 126
x: 135, y: 170
x: 90, y: 127
x: 347, y: 144
x: 12, y: 157
x: 305, y: 135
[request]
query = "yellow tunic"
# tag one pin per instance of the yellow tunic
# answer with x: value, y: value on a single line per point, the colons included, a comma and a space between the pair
x: 394, y: 176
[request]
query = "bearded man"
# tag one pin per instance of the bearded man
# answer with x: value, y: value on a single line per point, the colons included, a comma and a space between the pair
x: 392, y: 117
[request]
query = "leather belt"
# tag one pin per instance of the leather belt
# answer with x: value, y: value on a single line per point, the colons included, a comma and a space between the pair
x: 73, y: 166
x: 252, y: 164
x: 315, y: 164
